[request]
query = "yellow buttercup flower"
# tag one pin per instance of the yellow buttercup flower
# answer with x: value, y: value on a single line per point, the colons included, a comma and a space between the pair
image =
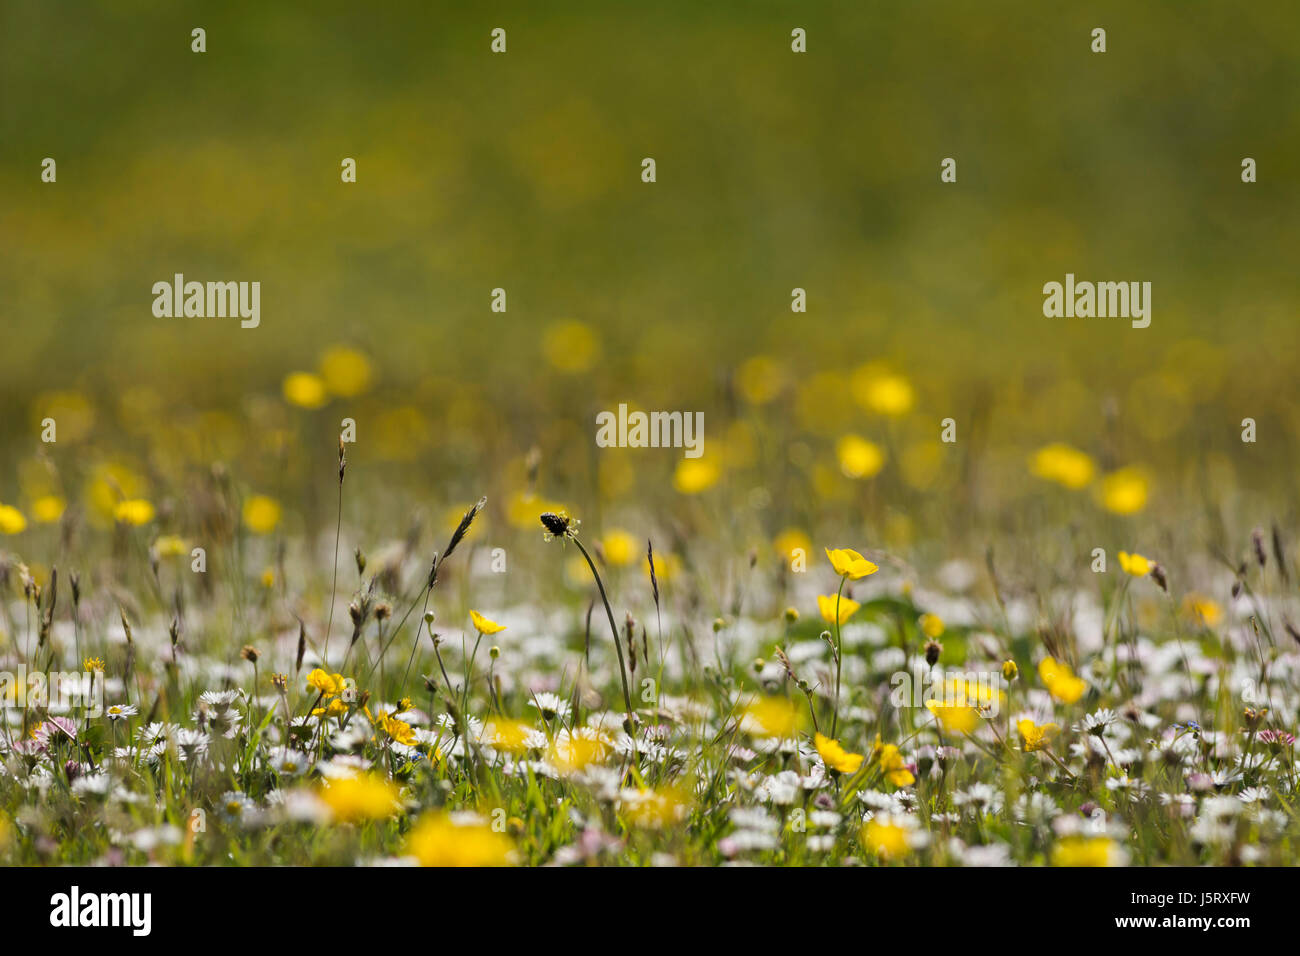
x: 892, y: 764
x: 134, y: 511
x: 399, y: 730
x: 11, y: 520
x: 73, y: 411
x: 439, y: 839
x: 1202, y: 610
x: 885, y: 838
x: 1134, y: 564
x: 848, y: 563
x: 835, y: 756
x: 485, y: 626
x: 570, y: 347
x: 981, y: 695
x: 791, y: 540
x: 1124, y: 492
x: 330, y: 685
x: 881, y: 391
x: 652, y: 809
x: 48, y: 509
x: 169, y: 546
x: 954, y: 718
x: 760, y: 379
x: 621, y: 549
x: 344, y: 371
x: 508, y: 735
x: 261, y: 514
x: 1036, y: 736
x: 770, y: 717
x: 578, y: 749
x: 363, y: 797
x: 1064, y: 465
x: 694, y: 475
x: 931, y: 625
x: 826, y: 603
x: 858, y: 457
x: 1087, y: 851
x: 108, y: 484
x: 521, y: 511
x: 304, y: 390
x: 335, y: 708
x: 1060, y: 680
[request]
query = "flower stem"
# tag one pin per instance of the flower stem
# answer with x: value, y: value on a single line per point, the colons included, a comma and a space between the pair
x: 613, y: 628
x: 839, y: 656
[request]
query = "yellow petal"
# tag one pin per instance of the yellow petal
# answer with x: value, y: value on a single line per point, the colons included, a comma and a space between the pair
x: 485, y: 626
x: 826, y: 603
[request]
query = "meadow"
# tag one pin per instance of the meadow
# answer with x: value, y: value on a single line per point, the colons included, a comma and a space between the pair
x: 507, y: 681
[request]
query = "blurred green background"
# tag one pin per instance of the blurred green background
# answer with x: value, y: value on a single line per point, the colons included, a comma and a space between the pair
x: 775, y: 170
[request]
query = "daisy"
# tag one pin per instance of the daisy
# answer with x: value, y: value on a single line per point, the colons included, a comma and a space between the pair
x: 156, y: 733
x: 993, y: 854
x: 1128, y: 785
x: 1035, y: 808
x: 780, y: 788
x: 980, y: 798
x: 220, y: 699
x: 55, y: 729
x: 550, y: 706
x: 289, y: 763
x: 1095, y: 723
x: 752, y: 818
x: 191, y: 743
x: 236, y: 807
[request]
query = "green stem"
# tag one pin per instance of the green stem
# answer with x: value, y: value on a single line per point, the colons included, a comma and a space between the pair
x: 613, y: 628
x: 839, y: 656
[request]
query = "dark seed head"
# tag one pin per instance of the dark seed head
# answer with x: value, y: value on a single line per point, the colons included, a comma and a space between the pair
x: 1158, y: 575
x: 932, y: 651
x: 557, y: 525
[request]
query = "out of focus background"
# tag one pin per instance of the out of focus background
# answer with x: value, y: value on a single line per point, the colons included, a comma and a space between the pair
x: 775, y: 170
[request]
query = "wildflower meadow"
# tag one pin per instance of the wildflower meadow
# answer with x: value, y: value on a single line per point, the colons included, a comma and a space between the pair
x: 739, y: 435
